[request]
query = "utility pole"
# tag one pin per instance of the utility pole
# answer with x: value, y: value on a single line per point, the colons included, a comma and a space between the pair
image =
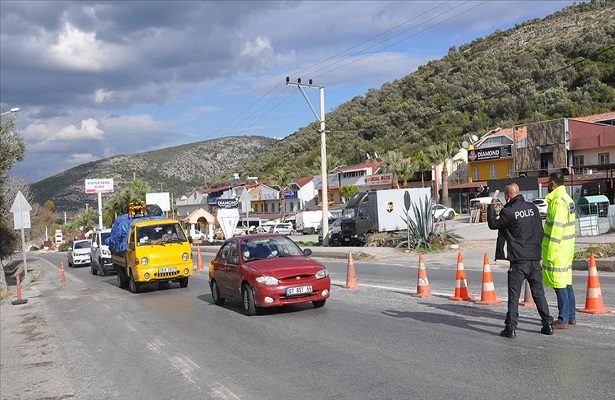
x: 323, y: 151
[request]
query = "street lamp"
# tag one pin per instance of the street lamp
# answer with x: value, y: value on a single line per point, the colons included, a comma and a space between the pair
x: 323, y: 151
x: 12, y: 110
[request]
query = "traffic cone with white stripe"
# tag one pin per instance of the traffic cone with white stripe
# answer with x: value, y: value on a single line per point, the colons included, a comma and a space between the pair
x: 422, y: 284
x: 19, y: 299
x: 528, y: 301
x: 461, y: 283
x: 593, y: 300
x: 487, y: 296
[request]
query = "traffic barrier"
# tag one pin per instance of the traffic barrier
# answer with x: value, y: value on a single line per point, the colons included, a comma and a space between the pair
x: 62, y: 268
x: 351, y: 277
x: 593, y: 300
x: 528, y: 300
x: 19, y: 299
x: 487, y: 295
x: 199, y: 261
x: 461, y: 283
x: 422, y: 284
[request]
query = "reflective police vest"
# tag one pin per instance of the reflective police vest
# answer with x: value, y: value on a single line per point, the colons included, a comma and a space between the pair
x: 558, y: 241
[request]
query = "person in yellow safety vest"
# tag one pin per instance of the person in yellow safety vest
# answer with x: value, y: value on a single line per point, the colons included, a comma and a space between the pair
x: 558, y: 249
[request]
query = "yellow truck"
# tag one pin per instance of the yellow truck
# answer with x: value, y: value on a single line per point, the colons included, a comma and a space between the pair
x: 147, y: 250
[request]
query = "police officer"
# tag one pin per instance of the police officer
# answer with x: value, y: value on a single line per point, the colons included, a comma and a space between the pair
x: 558, y: 249
x: 522, y: 226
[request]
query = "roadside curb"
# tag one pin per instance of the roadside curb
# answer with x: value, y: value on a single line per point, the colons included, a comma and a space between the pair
x: 602, y: 264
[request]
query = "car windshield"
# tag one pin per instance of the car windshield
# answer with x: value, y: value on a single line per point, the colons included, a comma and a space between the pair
x: 161, y: 234
x: 104, y: 236
x: 269, y: 247
x: 82, y: 245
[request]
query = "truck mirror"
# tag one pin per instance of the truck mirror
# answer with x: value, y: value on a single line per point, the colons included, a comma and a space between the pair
x: 307, y: 252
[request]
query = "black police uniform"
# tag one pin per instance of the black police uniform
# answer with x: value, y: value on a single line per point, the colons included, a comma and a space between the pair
x: 522, y: 226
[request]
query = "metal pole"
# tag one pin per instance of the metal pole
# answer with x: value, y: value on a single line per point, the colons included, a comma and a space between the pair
x: 323, y: 170
x: 23, y: 243
x: 100, y: 222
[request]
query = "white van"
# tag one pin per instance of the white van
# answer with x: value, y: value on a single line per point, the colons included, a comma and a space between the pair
x: 101, y: 263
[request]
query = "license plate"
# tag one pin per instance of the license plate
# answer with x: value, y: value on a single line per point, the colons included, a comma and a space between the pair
x: 293, y: 291
x: 166, y: 270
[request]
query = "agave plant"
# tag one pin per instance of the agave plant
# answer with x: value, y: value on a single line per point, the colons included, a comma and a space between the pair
x: 423, y: 231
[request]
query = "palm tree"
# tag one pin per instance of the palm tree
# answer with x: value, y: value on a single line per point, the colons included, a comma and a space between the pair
x: 282, y: 179
x: 440, y: 154
x: 421, y: 162
x: 393, y: 163
x: 118, y: 203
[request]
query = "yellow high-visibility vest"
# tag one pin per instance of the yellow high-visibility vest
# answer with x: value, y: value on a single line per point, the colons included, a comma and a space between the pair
x: 558, y: 241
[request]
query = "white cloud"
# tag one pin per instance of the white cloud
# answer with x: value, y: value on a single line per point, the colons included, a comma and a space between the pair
x: 88, y: 130
x: 77, y: 50
x: 80, y: 158
x: 259, y: 46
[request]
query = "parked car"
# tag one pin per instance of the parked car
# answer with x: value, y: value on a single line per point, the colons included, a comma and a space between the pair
x: 79, y: 253
x: 267, y: 270
x: 335, y: 233
x: 440, y: 211
x: 100, y: 255
x: 282, y: 228
x: 196, y: 234
x: 542, y: 206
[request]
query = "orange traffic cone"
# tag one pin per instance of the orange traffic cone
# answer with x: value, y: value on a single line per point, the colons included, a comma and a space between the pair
x: 351, y: 278
x: 593, y: 300
x: 19, y: 299
x: 62, y: 268
x: 528, y: 300
x: 422, y: 284
x: 487, y: 296
x: 461, y: 283
x: 199, y: 262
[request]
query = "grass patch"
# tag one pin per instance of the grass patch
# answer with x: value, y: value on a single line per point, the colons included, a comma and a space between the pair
x: 599, y: 251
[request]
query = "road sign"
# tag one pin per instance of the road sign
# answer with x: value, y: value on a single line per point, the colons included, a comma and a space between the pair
x: 21, y: 211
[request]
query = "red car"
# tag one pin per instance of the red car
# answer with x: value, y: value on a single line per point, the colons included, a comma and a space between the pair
x: 267, y: 270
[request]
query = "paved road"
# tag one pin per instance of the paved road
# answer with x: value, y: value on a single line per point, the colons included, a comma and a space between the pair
x: 88, y: 339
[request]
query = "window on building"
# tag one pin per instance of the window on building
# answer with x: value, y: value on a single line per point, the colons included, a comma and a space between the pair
x: 475, y: 173
x: 603, y: 158
x: 511, y: 170
x: 578, y: 161
x: 493, y: 171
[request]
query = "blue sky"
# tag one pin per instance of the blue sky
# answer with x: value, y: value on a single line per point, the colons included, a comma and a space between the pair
x: 98, y: 79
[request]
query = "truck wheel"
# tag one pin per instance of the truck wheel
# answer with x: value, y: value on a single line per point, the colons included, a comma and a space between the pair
x: 249, y: 308
x: 122, y: 279
x: 183, y: 282
x: 135, y: 287
x: 215, y: 293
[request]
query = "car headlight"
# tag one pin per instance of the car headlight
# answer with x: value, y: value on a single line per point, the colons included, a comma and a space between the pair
x: 267, y: 280
x: 323, y: 273
x: 185, y: 256
x: 144, y: 261
x: 106, y: 252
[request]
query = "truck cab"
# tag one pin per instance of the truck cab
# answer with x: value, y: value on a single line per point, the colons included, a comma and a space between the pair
x: 100, y: 254
x: 357, y: 220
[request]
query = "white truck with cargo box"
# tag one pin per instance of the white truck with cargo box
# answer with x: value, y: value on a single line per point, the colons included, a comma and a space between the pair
x: 378, y: 211
x: 307, y: 222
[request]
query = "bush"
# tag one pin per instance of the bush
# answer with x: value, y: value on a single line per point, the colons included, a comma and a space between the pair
x: 64, y: 246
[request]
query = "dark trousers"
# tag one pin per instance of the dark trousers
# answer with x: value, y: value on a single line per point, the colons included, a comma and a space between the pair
x: 499, y: 245
x: 518, y: 272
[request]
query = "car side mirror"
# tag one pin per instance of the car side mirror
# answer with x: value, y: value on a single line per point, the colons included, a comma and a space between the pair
x: 307, y: 252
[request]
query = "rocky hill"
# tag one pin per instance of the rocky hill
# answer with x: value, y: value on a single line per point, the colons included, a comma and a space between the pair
x: 177, y: 170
